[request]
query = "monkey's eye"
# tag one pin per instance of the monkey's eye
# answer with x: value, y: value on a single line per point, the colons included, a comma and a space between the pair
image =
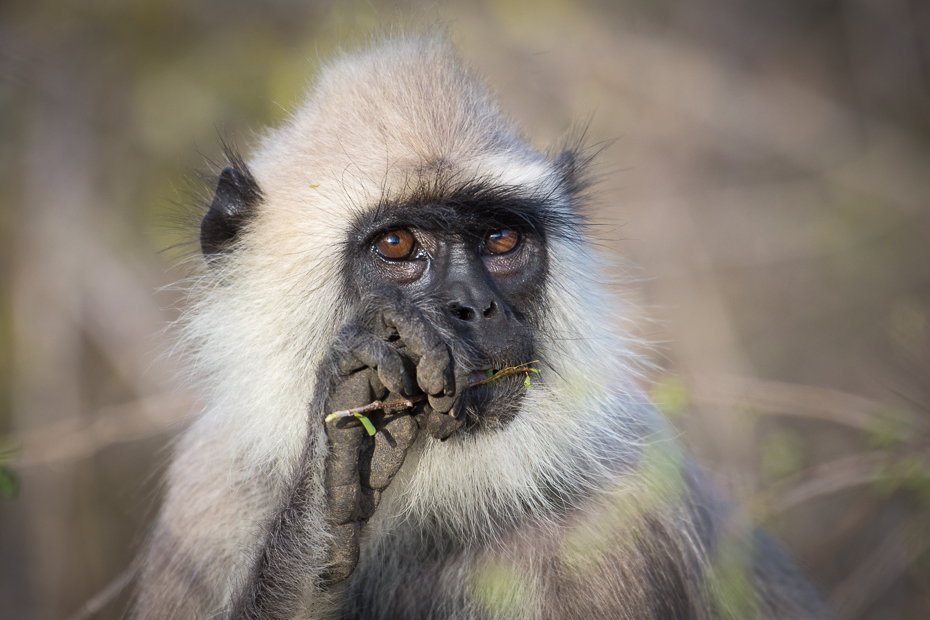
x: 396, y: 245
x: 501, y: 241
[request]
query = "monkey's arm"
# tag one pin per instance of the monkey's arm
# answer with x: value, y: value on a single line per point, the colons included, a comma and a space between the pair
x: 377, y: 354
x: 208, y: 527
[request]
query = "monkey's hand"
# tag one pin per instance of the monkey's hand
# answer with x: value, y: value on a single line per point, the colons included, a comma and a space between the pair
x: 374, y: 357
x: 358, y: 469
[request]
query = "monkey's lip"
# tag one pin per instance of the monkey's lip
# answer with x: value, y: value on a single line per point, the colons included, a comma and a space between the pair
x: 480, y: 374
x: 492, y: 402
x: 483, y: 373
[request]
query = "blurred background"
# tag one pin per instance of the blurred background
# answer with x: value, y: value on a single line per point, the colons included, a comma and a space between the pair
x: 765, y: 196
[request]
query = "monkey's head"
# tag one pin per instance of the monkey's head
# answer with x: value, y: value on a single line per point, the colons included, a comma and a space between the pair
x: 473, y: 254
x: 399, y: 173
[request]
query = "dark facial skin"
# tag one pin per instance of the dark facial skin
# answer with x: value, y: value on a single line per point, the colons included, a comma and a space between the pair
x: 484, y: 277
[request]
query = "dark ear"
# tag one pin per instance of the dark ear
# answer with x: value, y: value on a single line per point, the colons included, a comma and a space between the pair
x: 567, y: 164
x: 565, y: 160
x: 237, y: 193
x: 574, y: 164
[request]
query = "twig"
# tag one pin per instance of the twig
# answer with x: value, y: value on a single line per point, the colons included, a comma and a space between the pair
x: 71, y: 440
x: 824, y: 479
x: 506, y: 372
x: 406, y: 403
x: 788, y: 399
x: 403, y: 403
x: 96, y: 603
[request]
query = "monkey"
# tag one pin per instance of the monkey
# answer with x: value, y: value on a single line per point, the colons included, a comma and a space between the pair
x: 398, y: 242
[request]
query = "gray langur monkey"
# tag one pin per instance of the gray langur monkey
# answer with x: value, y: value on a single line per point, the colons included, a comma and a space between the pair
x: 397, y: 239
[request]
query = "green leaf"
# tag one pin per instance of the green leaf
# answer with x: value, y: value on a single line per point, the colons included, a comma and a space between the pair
x: 366, y: 423
x: 526, y: 381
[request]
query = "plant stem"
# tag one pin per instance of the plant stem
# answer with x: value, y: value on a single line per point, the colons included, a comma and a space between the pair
x: 406, y: 403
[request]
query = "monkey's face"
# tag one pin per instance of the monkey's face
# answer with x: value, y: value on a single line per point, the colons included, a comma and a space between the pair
x: 478, y: 268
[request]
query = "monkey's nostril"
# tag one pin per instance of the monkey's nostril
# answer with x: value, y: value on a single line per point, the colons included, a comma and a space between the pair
x: 491, y: 311
x: 462, y: 313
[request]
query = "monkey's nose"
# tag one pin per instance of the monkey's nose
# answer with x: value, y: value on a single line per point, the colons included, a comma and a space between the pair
x: 468, y: 312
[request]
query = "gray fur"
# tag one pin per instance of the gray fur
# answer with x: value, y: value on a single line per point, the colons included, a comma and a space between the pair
x: 582, y: 506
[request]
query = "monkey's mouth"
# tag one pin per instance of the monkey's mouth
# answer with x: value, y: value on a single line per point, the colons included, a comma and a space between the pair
x: 491, y: 402
x: 480, y: 374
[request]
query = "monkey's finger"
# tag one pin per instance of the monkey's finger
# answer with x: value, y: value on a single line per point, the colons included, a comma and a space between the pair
x: 343, y: 555
x: 391, y: 444
x: 342, y: 467
x: 443, y: 404
x: 356, y: 347
x: 401, y: 432
x: 452, y: 384
x: 352, y: 391
x: 367, y: 504
x: 441, y: 425
x: 438, y: 370
x: 341, y: 501
x: 424, y: 341
x: 391, y: 371
x: 342, y: 354
x: 346, y: 362
x: 342, y: 463
x: 345, y: 438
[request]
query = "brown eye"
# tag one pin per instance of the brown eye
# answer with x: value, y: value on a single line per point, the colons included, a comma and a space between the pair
x: 396, y: 245
x: 501, y: 241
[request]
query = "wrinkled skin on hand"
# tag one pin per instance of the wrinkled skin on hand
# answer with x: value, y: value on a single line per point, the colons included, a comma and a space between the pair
x: 388, y: 353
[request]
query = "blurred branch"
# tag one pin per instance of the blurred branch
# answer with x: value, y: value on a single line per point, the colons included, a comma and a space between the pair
x: 71, y: 439
x: 786, y: 399
x: 842, y: 530
x: 824, y: 479
x: 96, y: 603
x: 881, y: 568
